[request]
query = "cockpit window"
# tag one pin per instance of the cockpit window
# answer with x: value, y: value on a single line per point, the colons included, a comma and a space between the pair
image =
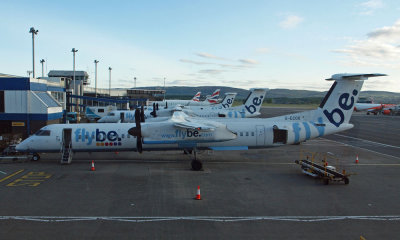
x: 43, y: 133
x: 111, y: 114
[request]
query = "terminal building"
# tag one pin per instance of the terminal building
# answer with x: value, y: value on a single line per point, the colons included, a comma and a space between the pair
x: 26, y: 105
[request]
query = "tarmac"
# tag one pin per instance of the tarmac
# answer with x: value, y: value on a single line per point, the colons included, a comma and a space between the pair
x: 255, y: 194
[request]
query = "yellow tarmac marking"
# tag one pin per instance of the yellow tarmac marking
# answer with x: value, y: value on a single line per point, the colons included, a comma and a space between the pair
x: 32, y: 179
x: 12, y: 175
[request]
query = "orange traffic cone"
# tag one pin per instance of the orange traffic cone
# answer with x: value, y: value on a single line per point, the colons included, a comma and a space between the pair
x: 92, y: 168
x: 198, y: 193
x: 357, y: 158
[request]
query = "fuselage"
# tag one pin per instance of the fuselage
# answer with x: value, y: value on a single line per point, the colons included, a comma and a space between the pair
x: 250, y: 133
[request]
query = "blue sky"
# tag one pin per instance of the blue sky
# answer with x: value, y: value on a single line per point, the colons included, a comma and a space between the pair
x: 273, y: 44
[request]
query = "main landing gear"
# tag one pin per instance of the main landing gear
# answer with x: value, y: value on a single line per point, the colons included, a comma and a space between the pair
x: 197, y: 165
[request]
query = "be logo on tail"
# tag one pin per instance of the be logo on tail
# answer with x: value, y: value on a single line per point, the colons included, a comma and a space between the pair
x: 345, y: 105
x: 256, y: 102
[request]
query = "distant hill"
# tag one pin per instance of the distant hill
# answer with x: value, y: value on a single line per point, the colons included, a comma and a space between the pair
x: 275, y: 95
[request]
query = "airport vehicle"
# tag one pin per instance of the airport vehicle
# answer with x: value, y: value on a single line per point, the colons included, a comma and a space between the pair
x: 322, y: 171
x: 393, y: 110
x: 129, y: 116
x: 97, y: 112
x: 181, y: 132
x: 72, y: 117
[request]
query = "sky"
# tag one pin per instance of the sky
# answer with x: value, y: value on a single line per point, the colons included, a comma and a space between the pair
x: 235, y: 43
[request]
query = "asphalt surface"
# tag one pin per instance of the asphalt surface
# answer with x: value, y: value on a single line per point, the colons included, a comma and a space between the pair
x: 256, y: 194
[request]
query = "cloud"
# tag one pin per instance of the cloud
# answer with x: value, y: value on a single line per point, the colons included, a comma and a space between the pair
x: 381, y: 48
x: 248, y: 61
x: 210, y: 56
x: 369, y: 7
x: 291, y: 21
x: 211, y: 71
x: 194, y: 62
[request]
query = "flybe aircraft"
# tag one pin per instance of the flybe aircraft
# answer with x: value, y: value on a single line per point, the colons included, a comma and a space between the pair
x: 195, y: 101
x: 250, y: 108
x: 129, y: 116
x: 190, y: 134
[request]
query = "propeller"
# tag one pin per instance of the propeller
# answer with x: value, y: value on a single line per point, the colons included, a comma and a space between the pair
x: 141, y: 114
x: 137, y: 130
x: 153, y: 113
x: 166, y: 105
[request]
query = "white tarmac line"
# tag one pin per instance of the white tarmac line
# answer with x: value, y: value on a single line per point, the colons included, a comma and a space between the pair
x: 143, y: 219
x: 368, y: 141
x: 366, y: 149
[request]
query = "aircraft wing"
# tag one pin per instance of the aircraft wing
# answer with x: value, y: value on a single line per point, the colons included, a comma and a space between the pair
x: 181, y: 120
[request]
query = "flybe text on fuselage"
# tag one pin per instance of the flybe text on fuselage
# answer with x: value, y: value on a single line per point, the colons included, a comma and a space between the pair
x: 102, y: 138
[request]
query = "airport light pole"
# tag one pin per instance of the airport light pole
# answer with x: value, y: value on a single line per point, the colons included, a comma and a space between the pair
x: 34, y: 32
x: 109, y: 82
x: 42, y: 61
x: 164, y: 88
x: 73, y: 53
x: 134, y: 79
x: 95, y: 77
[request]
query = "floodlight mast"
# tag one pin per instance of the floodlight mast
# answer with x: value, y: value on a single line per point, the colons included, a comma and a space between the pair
x: 34, y: 32
x: 73, y: 52
x: 109, y: 82
x: 95, y: 77
x: 42, y: 62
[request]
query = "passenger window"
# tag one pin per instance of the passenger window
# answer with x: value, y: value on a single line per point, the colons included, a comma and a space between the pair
x: 241, y: 134
x: 247, y: 134
x: 100, y: 110
x: 79, y: 137
x: 252, y: 134
x: 128, y: 135
x: 123, y: 136
x: 87, y: 136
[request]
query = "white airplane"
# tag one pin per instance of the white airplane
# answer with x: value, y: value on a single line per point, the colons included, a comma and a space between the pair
x: 195, y: 101
x: 250, y: 108
x: 182, y: 132
x: 129, y: 116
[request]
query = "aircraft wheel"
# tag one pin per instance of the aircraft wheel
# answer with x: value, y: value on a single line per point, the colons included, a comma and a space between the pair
x: 197, y: 165
x: 346, y: 181
x: 35, y: 157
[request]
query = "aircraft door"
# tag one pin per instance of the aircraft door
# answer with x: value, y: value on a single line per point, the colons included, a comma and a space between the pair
x: 67, y: 139
x: 260, y: 135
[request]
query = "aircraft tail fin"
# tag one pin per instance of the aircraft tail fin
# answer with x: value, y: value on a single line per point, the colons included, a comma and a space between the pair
x: 228, y: 100
x: 214, y: 97
x: 254, y: 101
x: 196, y: 97
x: 338, y: 104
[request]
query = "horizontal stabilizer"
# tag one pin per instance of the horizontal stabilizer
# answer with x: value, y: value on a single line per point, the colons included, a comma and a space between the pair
x: 353, y: 76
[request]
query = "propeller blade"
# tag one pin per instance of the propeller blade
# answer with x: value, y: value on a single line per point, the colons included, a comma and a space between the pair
x: 142, y: 114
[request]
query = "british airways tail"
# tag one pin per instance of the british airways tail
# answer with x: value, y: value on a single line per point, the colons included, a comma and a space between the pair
x: 214, y: 97
x: 196, y: 97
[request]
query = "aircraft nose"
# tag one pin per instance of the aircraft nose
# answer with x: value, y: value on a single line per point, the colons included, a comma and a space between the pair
x: 22, y: 146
